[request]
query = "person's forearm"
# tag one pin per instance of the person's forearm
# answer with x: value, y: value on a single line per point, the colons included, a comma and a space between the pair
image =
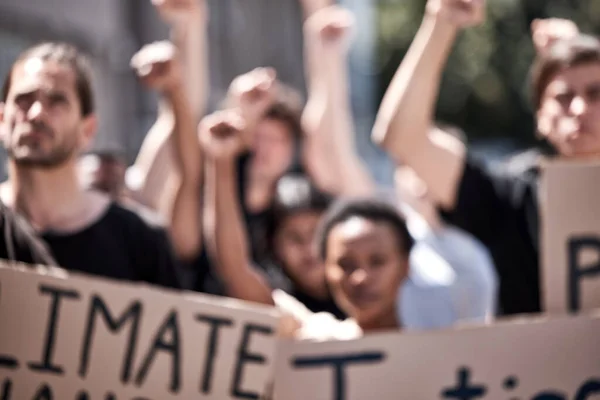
x: 153, y: 165
x: 191, y: 41
x: 317, y: 118
x: 354, y: 174
x: 406, y: 112
x: 329, y: 146
x: 184, y: 210
x: 187, y: 153
x: 226, y: 235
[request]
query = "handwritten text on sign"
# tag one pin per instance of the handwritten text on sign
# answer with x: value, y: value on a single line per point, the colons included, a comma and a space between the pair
x: 79, y: 338
x: 553, y: 360
x: 570, y: 200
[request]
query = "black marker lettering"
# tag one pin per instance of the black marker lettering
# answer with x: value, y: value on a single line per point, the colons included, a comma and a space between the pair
x: 57, y: 294
x: 464, y: 390
x: 245, y: 357
x: 97, y: 306
x: 212, y: 347
x: 591, y: 387
x: 550, y: 396
x: 83, y: 395
x: 578, y: 272
x: 6, y: 390
x: 43, y: 393
x: 8, y: 362
x: 161, y: 344
x: 339, y: 363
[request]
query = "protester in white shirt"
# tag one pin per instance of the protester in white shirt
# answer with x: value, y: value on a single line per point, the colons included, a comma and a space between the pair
x: 452, y: 276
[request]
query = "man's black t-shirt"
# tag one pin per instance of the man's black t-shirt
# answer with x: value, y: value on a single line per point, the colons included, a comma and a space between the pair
x: 18, y: 241
x: 501, y: 210
x: 120, y: 245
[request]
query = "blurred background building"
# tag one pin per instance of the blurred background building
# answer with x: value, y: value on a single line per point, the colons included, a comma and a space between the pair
x: 484, y: 89
x: 243, y: 34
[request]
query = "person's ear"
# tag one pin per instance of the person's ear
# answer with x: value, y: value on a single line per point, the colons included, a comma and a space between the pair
x: 89, y: 129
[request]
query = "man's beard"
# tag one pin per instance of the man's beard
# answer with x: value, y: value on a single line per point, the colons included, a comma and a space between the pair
x: 53, y: 159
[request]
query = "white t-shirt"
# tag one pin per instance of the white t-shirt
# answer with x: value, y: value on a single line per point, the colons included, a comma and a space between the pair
x: 452, y: 279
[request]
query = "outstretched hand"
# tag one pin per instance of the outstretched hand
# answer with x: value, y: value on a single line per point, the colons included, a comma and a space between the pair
x: 221, y: 135
x: 331, y: 27
x: 158, y: 66
x: 254, y: 92
x: 546, y: 32
x: 460, y: 13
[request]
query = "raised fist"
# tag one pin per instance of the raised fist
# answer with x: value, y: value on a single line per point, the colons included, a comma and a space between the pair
x: 158, y: 67
x: 331, y: 26
x: 221, y: 135
x: 460, y: 13
x: 176, y: 12
x: 254, y: 92
x: 545, y: 32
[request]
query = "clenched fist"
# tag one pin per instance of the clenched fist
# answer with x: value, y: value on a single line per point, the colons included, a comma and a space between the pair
x: 545, y: 32
x: 460, y: 13
x: 254, y: 92
x: 176, y: 12
x: 158, y: 67
x: 331, y: 26
x: 221, y: 135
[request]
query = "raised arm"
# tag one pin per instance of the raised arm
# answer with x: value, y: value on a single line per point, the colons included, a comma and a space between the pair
x: 159, y: 67
x: 404, y: 121
x: 153, y: 176
x: 221, y: 138
x: 177, y: 186
x: 329, y: 149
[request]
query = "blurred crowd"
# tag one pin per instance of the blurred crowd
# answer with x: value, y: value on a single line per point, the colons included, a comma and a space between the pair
x: 267, y: 200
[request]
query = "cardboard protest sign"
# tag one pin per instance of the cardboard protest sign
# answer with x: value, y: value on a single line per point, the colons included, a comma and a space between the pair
x: 93, y: 339
x: 570, y: 243
x: 528, y: 360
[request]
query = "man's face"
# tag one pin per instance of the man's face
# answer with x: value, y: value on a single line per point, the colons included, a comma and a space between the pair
x: 273, y: 149
x: 41, y: 121
x: 569, y: 113
x: 365, y: 268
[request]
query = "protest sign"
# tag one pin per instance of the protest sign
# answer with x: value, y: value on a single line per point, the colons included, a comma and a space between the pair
x: 528, y: 360
x: 93, y: 339
x: 570, y: 243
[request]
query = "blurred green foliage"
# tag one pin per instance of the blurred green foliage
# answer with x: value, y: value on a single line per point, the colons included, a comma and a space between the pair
x: 485, y: 89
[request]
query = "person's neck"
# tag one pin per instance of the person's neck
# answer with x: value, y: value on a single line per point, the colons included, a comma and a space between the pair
x: 388, y: 321
x: 320, y: 294
x: 259, y: 194
x: 51, y: 199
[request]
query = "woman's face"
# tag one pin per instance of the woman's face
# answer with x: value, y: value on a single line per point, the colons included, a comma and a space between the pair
x: 364, y: 268
x: 296, y: 251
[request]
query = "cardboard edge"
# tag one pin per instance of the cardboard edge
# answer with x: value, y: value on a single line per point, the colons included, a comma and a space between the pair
x: 187, y: 295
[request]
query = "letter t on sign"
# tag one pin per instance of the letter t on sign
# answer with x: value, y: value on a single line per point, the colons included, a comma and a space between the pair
x: 339, y: 363
x: 578, y: 272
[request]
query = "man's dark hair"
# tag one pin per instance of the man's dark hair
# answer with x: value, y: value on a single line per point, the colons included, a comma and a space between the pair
x: 582, y: 49
x: 66, y: 54
x: 375, y: 210
x: 294, y: 193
